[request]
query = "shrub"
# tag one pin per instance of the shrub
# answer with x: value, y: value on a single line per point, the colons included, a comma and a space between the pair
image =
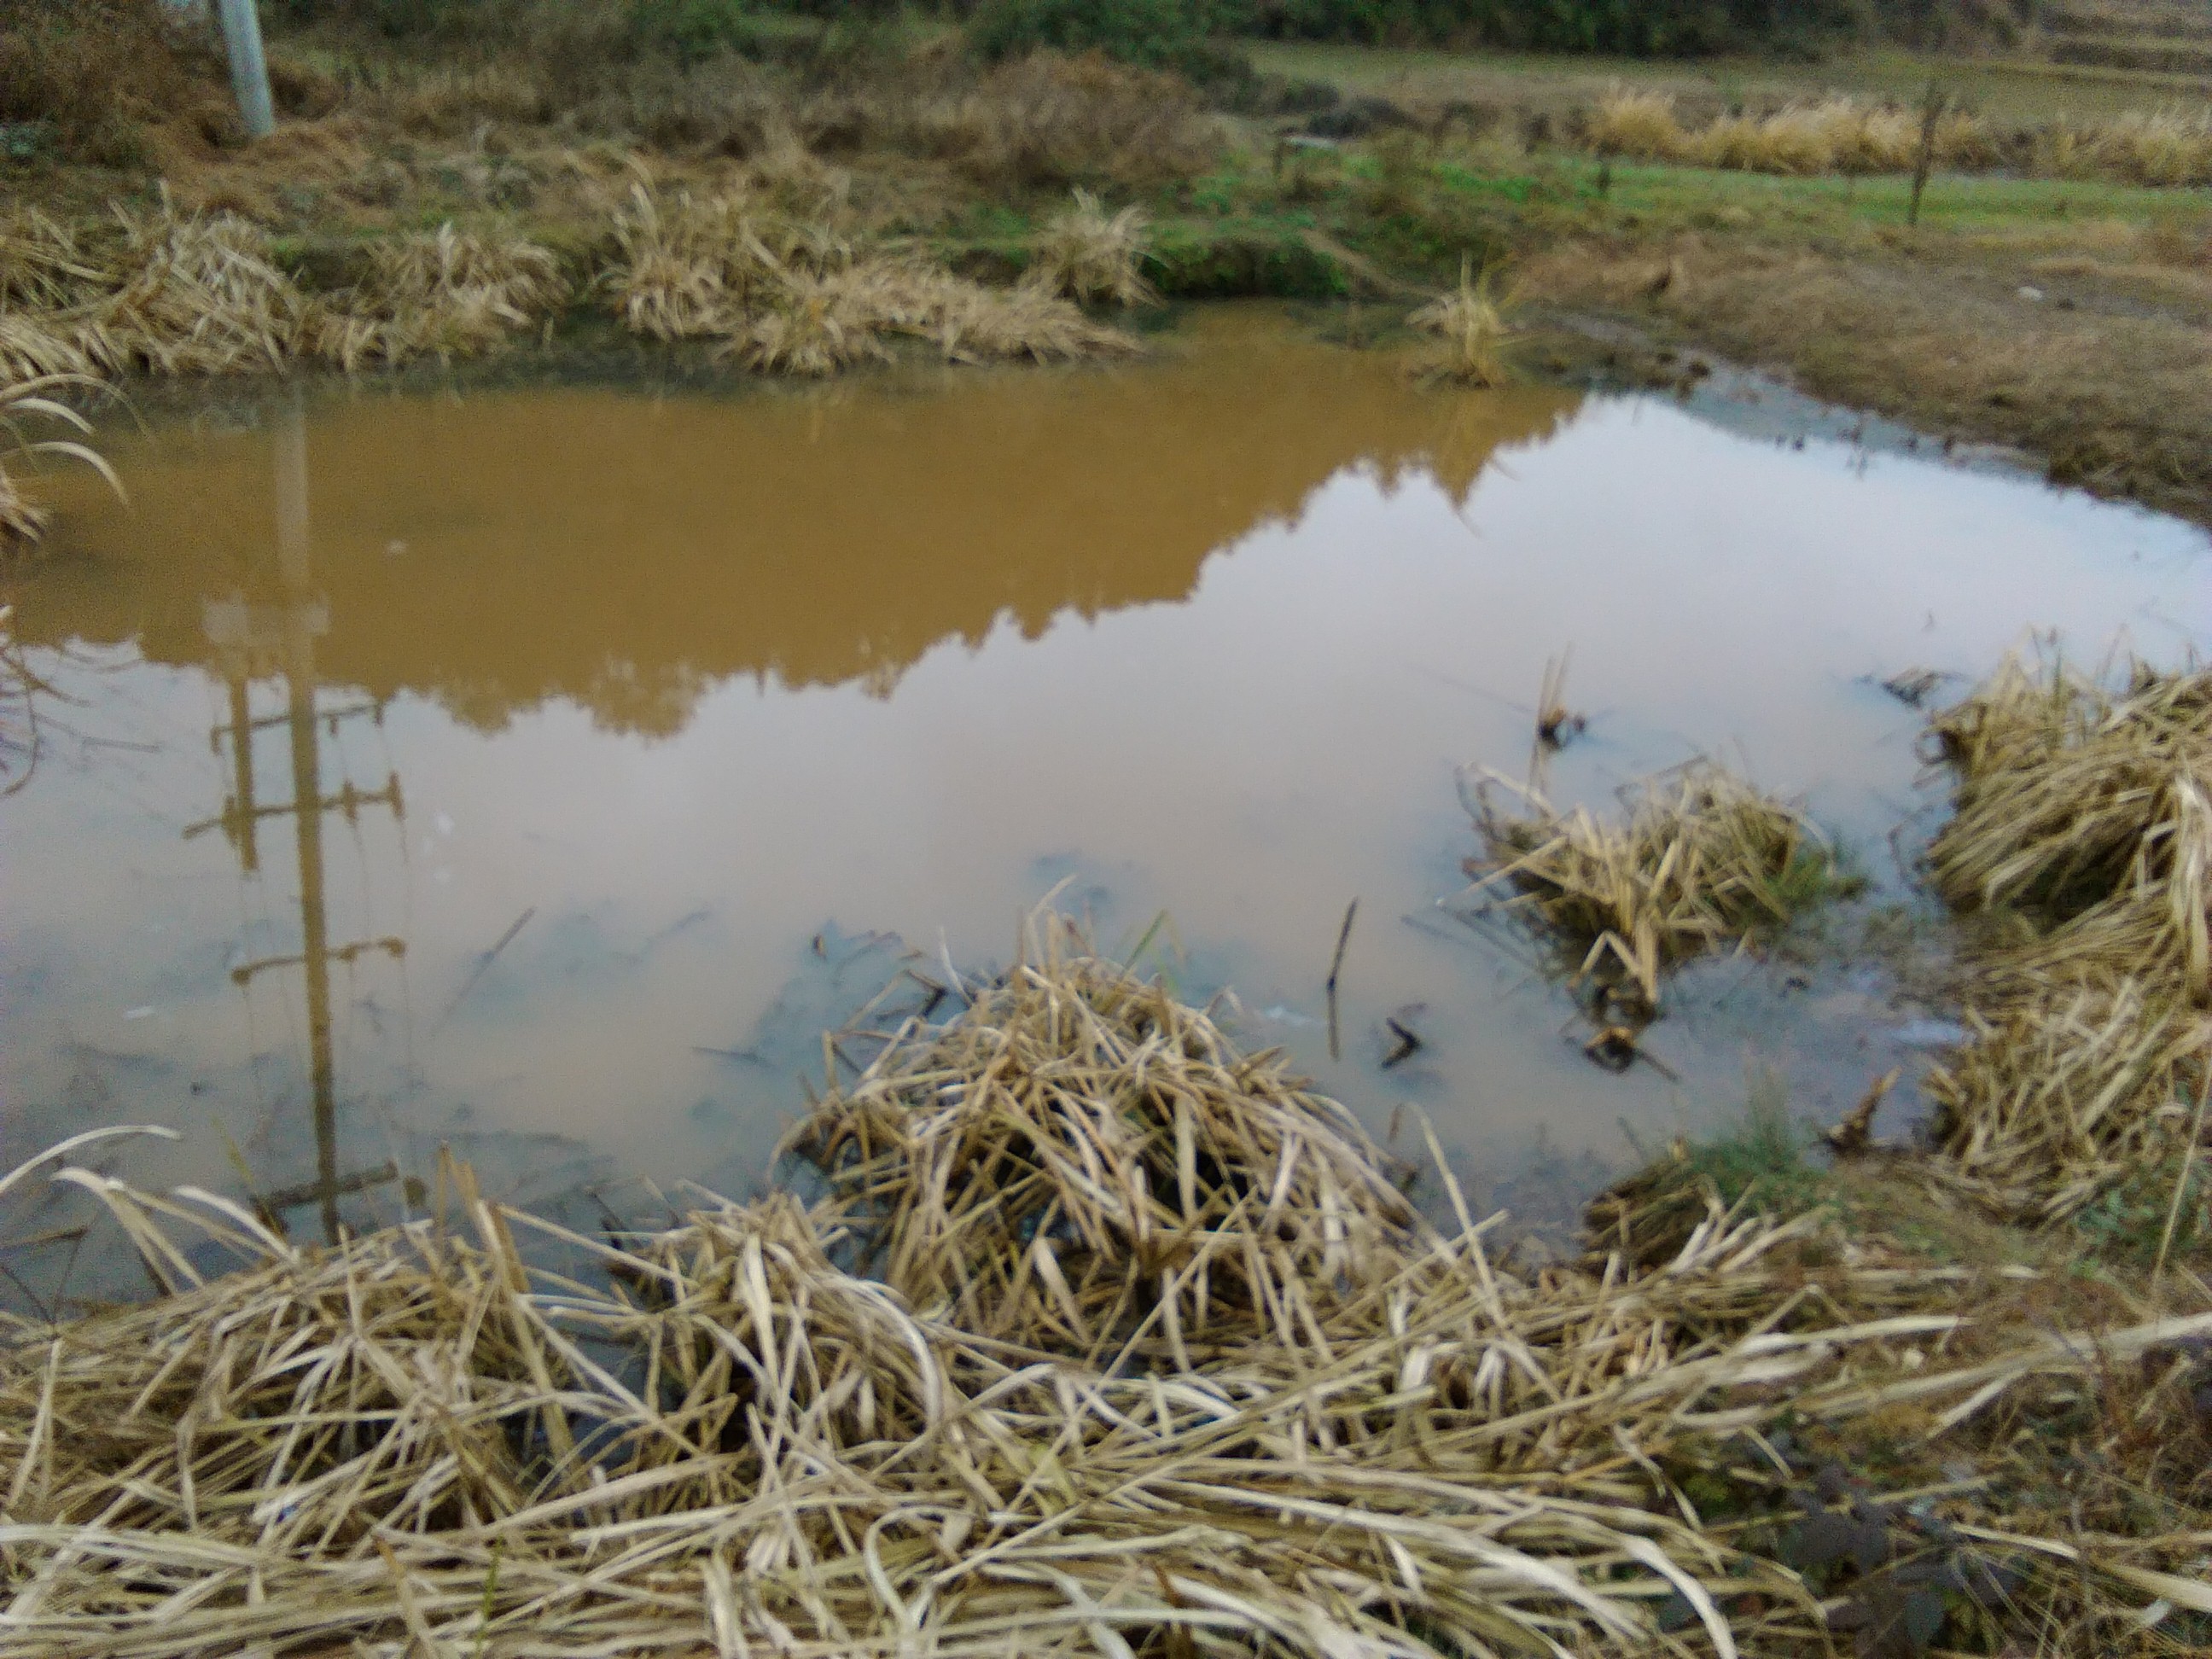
x: 89, y: 70
x: 1633, y: 27
x: 1050, y: 120
x: 556, y: 31
x: 1169, y: 34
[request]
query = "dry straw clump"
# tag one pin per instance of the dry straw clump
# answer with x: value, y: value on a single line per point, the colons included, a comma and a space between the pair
x: 176, y: 292
x: 446, y: 293
x: 1473, y: 325
x: 1697, y: 859
x: 192, y: 293
x: 2082, y: 839
x: 1832, y: 135
x: 1363, y: 1437
x: 44, y: 263
x: 1105, y: 1159
x: 1088, y: 255
x: 2169, y: 147
x: 796, y: 294
x: 22, y: 522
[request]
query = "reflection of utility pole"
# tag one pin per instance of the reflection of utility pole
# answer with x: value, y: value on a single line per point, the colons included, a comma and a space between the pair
x: 250, y: 637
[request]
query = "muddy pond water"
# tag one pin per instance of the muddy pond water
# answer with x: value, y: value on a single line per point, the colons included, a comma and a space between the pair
x: 640, y: 735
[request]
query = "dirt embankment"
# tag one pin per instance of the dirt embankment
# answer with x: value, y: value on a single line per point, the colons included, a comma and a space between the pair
x: 2100, y: 368
x: 2064, y: 316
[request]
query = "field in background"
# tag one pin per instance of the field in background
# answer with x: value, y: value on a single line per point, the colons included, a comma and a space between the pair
x: 2010, y: 89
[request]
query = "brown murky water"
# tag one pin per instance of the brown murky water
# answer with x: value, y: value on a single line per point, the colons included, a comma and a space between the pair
x: 630, y: 728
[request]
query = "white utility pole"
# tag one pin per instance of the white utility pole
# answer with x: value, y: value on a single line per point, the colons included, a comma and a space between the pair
x: 249, y: 67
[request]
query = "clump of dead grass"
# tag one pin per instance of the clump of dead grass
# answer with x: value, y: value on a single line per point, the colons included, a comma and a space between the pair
x: 2167, y: 147
x: 1829, y: 135
x: 195, y: 294
x: 1472, y: 325
x: 44, y: 265
x: 446, y: 293
x: 160, y: 290
x: 976, y: 325
x: 1113, y: 1161
x: 798, y: 289
x: 812, y: 326
x: 682, y: 265
x: 2081, y: 839
x: 2085, y: 809
x: 22, y: 522
x: 1642, y: 125
x: 1088, y: 255
x: 1697, y: 859
x: 1230, y: 1394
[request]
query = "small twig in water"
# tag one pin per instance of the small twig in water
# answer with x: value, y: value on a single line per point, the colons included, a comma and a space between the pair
x: 1336, y: 968
x: 489, y: 957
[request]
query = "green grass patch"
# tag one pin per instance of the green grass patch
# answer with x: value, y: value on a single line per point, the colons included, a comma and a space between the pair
x: 1266, y: 257
x: 2129, y: 1222
x: 1765, y: 1157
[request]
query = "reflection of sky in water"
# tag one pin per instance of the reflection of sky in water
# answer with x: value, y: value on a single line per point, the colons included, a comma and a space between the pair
x: 1247, y: 738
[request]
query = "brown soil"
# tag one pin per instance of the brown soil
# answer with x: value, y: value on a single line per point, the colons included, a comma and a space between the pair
x: 2100, y: 368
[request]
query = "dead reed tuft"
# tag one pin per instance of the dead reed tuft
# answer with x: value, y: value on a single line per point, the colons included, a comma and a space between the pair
x: 195, y: 294
x: 681, y: 265
x: 1698, y: 861
x: 2066, y: 1090
x: 1107, y: 1160
x: 979, y: 325
x: 1472, y: 326
x: 1833, y: 135
x: 2082, y: 837
x: 814, y: 326
x: 2084, y: 808
x: 2167, y: 147
x: 44, y: 265
x: 1642, y: 125
x: 446, y: 294
x: 22, y: 522
x: 794, y: 295
x: 1087, y: 255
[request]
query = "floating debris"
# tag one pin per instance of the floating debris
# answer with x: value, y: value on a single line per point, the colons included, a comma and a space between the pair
x: 1405, y: 1040
x: 1854, y: 1136
x: 1557, y: 726
x: 1913, y: 686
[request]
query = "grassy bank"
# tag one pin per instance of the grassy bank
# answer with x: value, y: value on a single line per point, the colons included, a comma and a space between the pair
x: 902, y: 191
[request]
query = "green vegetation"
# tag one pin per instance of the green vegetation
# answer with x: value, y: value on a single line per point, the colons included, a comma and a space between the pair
x: 1763, y: 1160
x: 2129, y: 1222
x: 1158, y: 33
